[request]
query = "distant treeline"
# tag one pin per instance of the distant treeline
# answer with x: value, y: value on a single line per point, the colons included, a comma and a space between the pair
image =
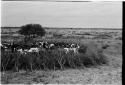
x: 68, y: 28
x: 9, y: 27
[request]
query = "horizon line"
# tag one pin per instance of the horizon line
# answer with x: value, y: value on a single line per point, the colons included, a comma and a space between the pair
x: 66, y: 27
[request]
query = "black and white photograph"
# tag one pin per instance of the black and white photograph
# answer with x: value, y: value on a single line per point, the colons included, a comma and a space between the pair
x: 61, y: 42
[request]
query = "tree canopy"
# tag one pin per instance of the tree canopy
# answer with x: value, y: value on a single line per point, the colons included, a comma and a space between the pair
x: 32, y: 30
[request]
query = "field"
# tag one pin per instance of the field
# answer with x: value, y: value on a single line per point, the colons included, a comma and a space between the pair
x: 109, y: 73
x: 11, y: 33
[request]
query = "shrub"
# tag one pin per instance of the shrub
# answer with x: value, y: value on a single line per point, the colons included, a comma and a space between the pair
x: 95, y: 52
x: 82, y: 49
x: 89, y: 55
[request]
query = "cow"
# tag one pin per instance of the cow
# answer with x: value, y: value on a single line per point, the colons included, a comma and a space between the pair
x: 21, y: 51
x: 14, y: 47
x: 40, y: 44
x: 74, y: 49
x: 67, y: 50
x: 45, y: 45
x: 52, y: 46
x: 25, y: 51
x: 34, y: 50
x: 5, y: 46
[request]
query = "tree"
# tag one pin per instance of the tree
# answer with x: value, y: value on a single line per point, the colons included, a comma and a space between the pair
x: 31, y: 31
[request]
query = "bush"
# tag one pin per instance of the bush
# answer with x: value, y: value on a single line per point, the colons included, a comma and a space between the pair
x: 96, y: 53
x: 82, y: 49
x: 89, y: 55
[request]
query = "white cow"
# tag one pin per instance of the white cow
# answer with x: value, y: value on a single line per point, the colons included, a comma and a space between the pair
x: 75, y: 50
x: 51, y: 45
x: 21, y: 51
x: 66, y: 50
x: 72, y: 45
x: 41, y: 44
x: 33, y: 50
x: 26, y: 50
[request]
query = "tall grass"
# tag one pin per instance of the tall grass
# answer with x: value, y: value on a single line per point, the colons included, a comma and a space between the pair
x: 88, y: 55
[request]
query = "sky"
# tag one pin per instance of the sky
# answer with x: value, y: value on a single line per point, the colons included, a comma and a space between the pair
x: 62, y: 14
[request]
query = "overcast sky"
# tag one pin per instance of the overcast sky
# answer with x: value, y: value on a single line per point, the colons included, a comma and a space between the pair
x: 62, y: 14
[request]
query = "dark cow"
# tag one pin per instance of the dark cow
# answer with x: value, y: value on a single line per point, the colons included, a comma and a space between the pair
x: 5, y: 46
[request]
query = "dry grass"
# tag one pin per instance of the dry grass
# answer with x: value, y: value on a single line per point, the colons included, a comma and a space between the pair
x: 105, y: 74
x: 99, y: 75
x: 92, y: 55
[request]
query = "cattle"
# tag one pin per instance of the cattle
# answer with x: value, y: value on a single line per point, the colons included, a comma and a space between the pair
x: 34, y: 50
x: 24, y: 47
x: 21, y: 51
x: 45, y: 45
x: 74, y: 49
x: 71, y: 49
x: 40, y: 44
x: 10, y: 46
x: 67, y: 50
x: 5, y: 46
x: 72, y: 45
x: 35, y: 47
x: 52, y: 46
x: 14, y: 47
x: 60, y: 44
x: 25, y: 51
x: 2, y: 47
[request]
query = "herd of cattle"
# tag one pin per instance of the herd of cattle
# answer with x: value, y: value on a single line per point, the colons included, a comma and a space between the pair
x: 37, y: 46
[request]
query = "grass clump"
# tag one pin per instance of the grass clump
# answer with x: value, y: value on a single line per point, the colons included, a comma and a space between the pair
x: 88, y: 55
